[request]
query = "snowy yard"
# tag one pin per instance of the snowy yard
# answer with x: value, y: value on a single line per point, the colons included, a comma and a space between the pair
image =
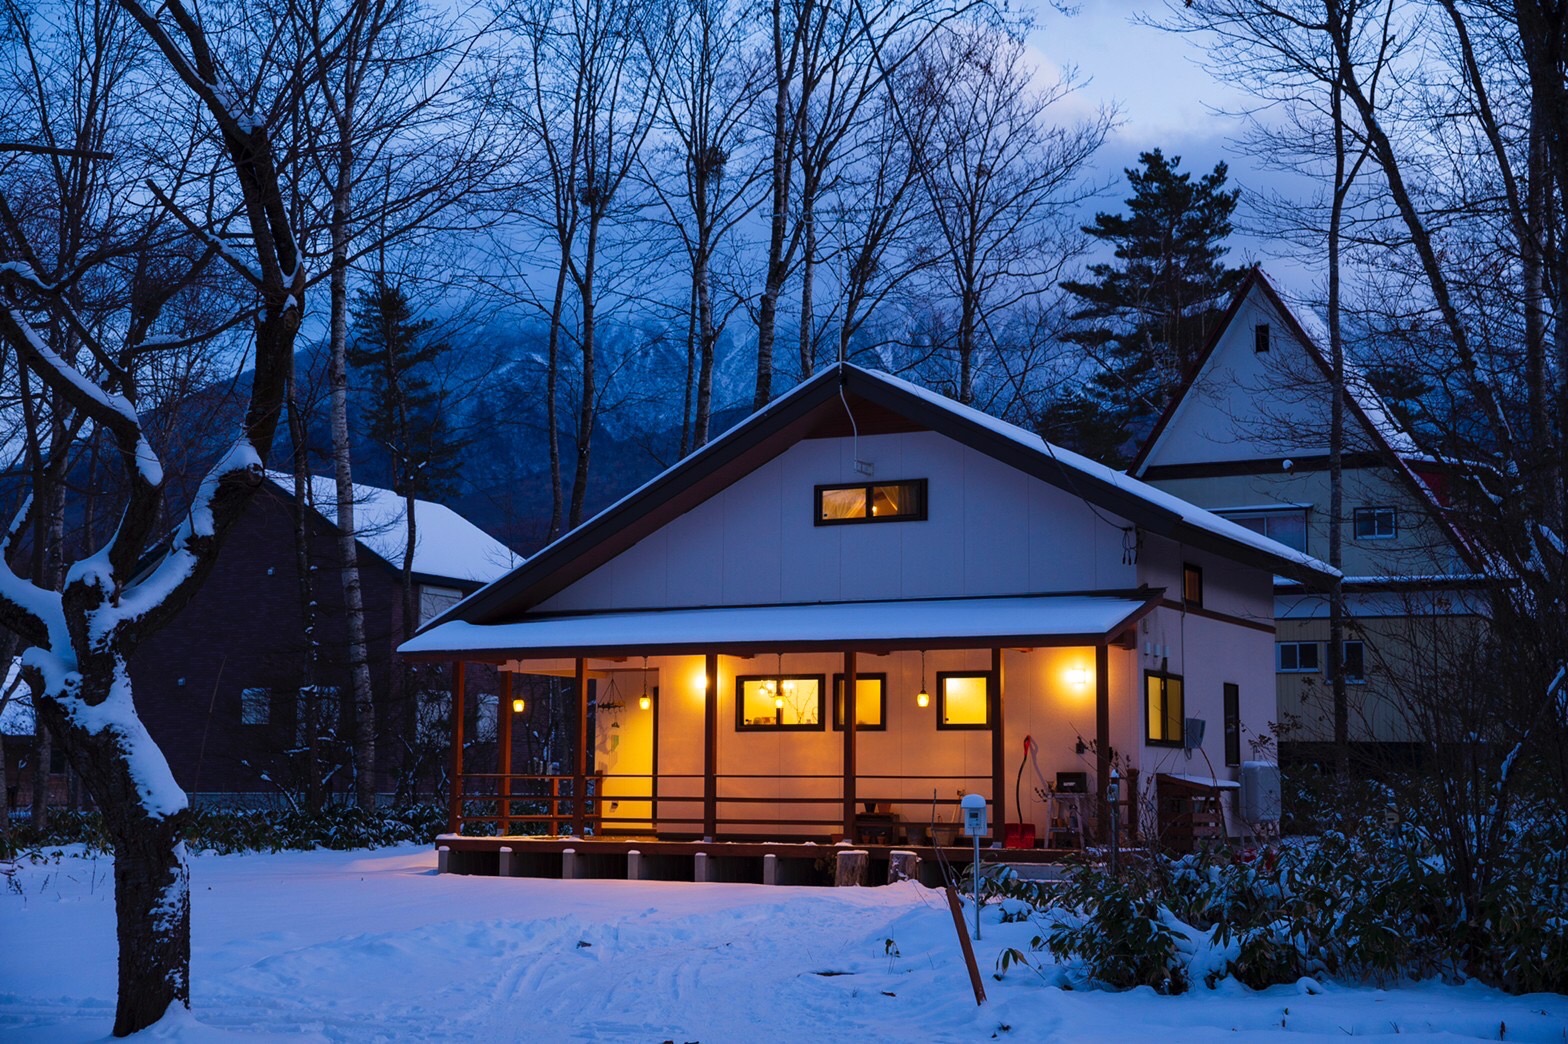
x: 375, y: 946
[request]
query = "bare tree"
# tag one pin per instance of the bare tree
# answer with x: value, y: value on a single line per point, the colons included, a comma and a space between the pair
x: 80, y: 638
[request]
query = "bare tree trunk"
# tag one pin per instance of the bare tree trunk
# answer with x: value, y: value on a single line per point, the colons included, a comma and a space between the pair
x: 777, y: 263
x: 808, y: 349
x: 688, y: 427
x: 588, y: 408
x: 1336, y: 449
x: 308, y: 706
x: 708, y: 346
x: 552, y: 384
x: 364, y: 757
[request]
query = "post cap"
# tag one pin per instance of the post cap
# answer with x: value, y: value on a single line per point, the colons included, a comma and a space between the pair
x: 973, y: 801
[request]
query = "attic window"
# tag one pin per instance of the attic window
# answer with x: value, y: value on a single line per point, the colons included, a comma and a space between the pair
x: 857, y: 502
x: 1260, y: 338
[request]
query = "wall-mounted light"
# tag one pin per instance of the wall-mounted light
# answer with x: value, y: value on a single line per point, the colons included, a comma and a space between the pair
x: 518, y: 704
x: 1079, y: 677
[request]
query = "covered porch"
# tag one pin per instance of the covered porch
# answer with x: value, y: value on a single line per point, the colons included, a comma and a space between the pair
x: 862, y: 721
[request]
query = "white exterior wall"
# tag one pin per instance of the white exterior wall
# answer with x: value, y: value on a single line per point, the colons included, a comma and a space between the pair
x: 991, y: 530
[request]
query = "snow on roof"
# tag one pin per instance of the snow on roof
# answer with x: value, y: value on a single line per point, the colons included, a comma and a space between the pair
x: 446, y: 543
x: 929, y: 619
x: 1189, y: 513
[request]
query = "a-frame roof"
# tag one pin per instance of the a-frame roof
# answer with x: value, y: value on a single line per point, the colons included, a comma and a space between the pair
x: 826, y: 406
x: 1389, y: 442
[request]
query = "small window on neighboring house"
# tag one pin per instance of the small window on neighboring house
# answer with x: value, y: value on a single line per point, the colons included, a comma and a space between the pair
x: 778, y: 702
x: 1355, y: 662
x: 871, y: 502
x: 432, y: 714
x: 316, y: 707
x: 1232, y: 723
x: 870, y: 702
x: 436, y: 600
x: 963, y: 699
x: 1192, y: 584
x: 1376, y: 523
x: 1289, y: 526
x: 1166, y: 707
x: 1260, y: 338
x: 1297, y: 657
x: 255, y: 706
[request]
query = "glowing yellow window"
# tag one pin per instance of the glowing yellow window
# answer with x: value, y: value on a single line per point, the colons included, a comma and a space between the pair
x: 870, y: 701
x: 775, y: 702
x: 963, y: 700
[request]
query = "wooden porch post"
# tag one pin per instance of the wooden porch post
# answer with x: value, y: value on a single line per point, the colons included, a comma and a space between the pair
x: 710, y: 749
x: 503, y: 740
x: 998, y: 749
x: 580, y: 775
x: 454, y: 816
x: 849, y: 746
x: 1102, y: 738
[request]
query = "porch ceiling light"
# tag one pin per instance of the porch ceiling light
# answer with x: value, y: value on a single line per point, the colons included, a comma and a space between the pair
x: 922, y: 698
x: 518, y: 704
x: 644, y: 701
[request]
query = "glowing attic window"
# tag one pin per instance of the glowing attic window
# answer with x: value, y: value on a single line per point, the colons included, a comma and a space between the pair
x: 903, y: 501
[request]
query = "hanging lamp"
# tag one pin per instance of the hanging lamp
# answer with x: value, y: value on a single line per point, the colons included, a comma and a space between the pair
x: 922, y: 698
x: 644, y: 701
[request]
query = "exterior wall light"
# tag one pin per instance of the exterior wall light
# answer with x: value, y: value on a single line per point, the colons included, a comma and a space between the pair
x: 518, y: 705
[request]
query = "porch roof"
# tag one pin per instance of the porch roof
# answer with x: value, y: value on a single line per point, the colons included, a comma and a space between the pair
x: 938, y: 623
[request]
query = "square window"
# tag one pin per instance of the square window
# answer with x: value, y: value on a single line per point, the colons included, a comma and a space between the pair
x: 765, y: 702
x: 903, y: 501
x: 255, y: 706
x: 1297, y: 657
x: 870, y: 702
x: 963, y: 699
x: 1376, y: 523
x: 1192, y: 584
x: 1166, y: 707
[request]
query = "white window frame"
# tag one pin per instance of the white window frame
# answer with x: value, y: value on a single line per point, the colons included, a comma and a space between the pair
x: 1375, y: 514
x: 1279, y: 658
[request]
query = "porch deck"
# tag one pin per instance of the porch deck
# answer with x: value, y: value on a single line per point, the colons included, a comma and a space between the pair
x: 744, y: 862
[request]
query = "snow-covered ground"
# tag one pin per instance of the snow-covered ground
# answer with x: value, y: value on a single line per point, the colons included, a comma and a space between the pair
x: 375, y: 946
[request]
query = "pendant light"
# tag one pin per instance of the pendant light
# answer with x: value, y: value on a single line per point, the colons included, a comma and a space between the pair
x: 644, y: 701
x: 922, y: 698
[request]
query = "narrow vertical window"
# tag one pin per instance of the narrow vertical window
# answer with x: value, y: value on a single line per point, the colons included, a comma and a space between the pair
x: 1260, y: 338
x: 1166, y: 708
x: 1192, y: 585
x: 1232, y: 723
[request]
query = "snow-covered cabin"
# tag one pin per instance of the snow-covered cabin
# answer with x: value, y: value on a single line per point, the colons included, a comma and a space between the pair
x: 864, y: 550
x: 1248, y: 437
x: 219, y: 686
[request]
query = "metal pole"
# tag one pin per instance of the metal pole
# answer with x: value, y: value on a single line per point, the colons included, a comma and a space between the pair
x: 976, y: 872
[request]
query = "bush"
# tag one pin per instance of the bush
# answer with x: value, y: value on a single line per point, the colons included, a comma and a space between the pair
x: 259, y: 830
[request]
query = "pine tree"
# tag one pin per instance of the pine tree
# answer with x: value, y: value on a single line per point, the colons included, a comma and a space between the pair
x: 1146, y: 317
x: 406, y: 413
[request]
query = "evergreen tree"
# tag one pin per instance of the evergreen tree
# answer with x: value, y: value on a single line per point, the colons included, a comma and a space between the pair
x: 1145, y: 317
x: 406, y: 414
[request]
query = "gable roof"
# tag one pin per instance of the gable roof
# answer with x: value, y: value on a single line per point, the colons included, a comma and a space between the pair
x: 1390, y: 441
x: 446, y: 545
x: 836, y: 401
x: 1364, y: 402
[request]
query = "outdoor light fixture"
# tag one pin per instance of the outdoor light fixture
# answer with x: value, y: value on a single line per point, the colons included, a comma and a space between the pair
x: 1078, y: 676
x: 922, y: 698
x: 644, y: 701
x: 518, y: 705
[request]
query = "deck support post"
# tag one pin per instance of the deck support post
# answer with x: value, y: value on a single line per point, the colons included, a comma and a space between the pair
x: 454, y: 817
x: 504, y: 862
x: 580, y: 773
x: 998, y: 749
x: 770, y: 869
x: 1102, y: 740
x: 710, y: 748
x: 503, y: 741
x: 848, y: 707
x: 634, y: 865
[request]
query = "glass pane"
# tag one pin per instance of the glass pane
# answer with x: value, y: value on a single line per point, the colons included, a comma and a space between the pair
x: 964, y: 701
x: 843, y: 503
x: 1287, y: 656
x: 780, y: 701
x: 868, y: 701
x: 1289, y: 529
x: 1259, y: 524
x: 896, y: 500
x: 1308, y: 653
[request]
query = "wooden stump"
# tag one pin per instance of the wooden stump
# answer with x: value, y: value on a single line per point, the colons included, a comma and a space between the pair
x: 902, y: 866
x: 851, y: 869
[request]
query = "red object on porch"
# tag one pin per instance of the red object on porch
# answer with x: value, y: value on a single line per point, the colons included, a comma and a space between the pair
x: 1018, y: 835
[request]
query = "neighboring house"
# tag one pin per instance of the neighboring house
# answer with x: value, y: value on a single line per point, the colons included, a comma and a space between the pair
x: 219, y: 685
x: 978, y: 585
x: 1248, y: 438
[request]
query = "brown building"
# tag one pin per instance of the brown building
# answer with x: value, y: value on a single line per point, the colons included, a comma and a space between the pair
x: 220, y: 686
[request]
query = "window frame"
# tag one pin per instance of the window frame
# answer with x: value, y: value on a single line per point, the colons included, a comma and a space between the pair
x: 1372, y: 513
x: 941, y: 701
x: 1260, y: 338
x: 1191, y: 574
x: 1181, y: 694
x: 1344, y: 659
x: 1266, y: 519
x: 921, y: 486
x: 880, y: 677
x: 1232, y: 706
x: 741, y: 725
x: 246, y: 701
x: 1279, y: 658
